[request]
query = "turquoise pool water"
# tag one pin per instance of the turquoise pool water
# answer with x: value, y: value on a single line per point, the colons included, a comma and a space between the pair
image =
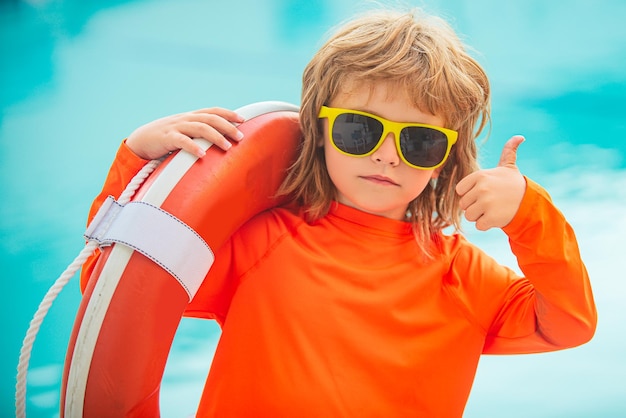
x: 76, y: 78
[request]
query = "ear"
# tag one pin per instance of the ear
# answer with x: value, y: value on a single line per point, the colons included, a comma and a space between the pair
x: 437, y: 171
x: 321, y: 140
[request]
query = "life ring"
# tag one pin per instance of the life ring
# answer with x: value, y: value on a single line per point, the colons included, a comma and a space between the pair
x: 132, y: 306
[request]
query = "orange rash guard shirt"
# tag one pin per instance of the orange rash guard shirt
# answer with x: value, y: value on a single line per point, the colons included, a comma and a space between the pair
x: 345, y: 317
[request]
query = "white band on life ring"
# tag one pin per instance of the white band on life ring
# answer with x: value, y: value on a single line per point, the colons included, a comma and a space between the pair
x: 158, y: 235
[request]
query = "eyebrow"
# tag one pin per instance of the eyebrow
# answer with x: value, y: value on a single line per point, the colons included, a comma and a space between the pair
x: 367, y: 110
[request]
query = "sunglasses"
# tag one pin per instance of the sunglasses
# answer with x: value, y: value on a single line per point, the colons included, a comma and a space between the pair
x: 359, y: 134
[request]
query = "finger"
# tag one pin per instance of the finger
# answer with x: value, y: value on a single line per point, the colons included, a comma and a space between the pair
x: 473, y: 213
x: 219, y: 124
x: 467, y: 200
x: 466, y: 184
x: 479, y: 219
x: 212, y: 132
x: 185, y: 143
x: 482, y: 224
x: 201, y: 130
x: 509, y: 151
x: 227, y: 114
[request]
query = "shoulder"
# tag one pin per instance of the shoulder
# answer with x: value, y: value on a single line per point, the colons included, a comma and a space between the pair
x: 448, y: 246
x: 253, y: 241
x: 475, y: 278
x: 269, y: 226
x: 463, y: 259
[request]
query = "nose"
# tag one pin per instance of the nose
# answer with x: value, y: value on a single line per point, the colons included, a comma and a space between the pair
x: 387, y: 153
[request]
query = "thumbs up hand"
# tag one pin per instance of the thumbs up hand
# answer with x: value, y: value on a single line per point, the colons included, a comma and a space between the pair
x: 491, y: 198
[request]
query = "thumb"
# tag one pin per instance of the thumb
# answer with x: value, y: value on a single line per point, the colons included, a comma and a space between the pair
x: 509, y: 152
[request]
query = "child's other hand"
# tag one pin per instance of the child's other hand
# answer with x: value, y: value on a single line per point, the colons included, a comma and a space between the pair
x: 491, y: 198
x: 157, y: 138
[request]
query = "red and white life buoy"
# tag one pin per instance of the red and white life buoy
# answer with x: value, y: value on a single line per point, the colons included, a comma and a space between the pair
x: 133, y: 303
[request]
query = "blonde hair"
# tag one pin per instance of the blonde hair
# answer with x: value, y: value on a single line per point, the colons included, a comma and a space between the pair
x: 419, y: 54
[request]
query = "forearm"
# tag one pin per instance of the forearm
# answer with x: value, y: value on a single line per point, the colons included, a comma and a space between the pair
x: 123, y: 169
x: 547, y: 252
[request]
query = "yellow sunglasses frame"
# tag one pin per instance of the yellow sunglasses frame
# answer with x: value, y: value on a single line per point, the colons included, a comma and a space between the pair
x: 389, y: 126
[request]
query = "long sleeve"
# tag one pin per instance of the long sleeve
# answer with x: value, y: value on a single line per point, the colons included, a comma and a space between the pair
x: 553, y: 307
x: 124, y: 167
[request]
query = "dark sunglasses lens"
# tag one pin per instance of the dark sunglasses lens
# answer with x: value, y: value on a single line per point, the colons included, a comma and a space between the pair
x: 423, y: 147
x: 356, y: 134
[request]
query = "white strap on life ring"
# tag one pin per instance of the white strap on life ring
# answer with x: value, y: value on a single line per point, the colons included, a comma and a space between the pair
x: 158, y: 235
x: 109, y: 277
x: 85, y: 341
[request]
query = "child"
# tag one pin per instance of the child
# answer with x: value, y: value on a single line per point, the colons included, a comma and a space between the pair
x: 351, y: 301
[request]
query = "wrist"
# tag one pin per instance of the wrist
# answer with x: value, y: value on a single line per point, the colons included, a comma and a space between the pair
x: 131, y: 152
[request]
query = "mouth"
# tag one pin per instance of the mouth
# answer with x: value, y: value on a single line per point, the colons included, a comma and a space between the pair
x: 381, y: 180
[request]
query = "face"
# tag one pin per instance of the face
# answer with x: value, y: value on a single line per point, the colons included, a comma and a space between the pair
x: 381, y: 183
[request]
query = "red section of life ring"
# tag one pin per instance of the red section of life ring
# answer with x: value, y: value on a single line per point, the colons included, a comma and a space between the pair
x: 214, y: 197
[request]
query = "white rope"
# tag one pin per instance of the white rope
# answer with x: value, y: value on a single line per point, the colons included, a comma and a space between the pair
x: 55, y: 289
